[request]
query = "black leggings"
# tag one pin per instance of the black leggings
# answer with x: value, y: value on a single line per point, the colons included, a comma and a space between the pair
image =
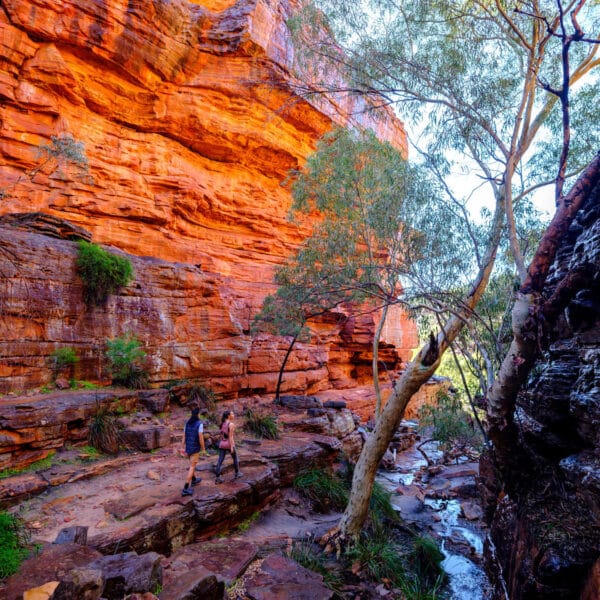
x: 222, y: 453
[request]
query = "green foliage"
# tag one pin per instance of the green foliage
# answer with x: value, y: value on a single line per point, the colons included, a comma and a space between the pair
x: 427, y: 559
x: 125, y: 357
x: 63, y: 358
x: 89, y: 453
x: 326, y: 490
x: 103, y: 431
x: 82, y: 384
x: 378, y: 557
x: 102, y: 273
x: 451, y: 424
x: 247, y: 523
x: 261, y: 425
x: 14, y: 539
x: 38, y: 465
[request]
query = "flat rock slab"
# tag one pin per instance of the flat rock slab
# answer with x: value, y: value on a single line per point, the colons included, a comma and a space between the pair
x: 197, y: 584
x: 281, y: 578
x: 52, y: 564
x: 226, y: 558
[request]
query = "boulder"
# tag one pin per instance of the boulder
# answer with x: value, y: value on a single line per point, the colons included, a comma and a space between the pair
x: 300, y: 402
x: 193, y: 585
x: 281, y: 578
x: 127, y: 573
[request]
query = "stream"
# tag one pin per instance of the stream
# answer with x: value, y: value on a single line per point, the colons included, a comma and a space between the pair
x: 467, y: 580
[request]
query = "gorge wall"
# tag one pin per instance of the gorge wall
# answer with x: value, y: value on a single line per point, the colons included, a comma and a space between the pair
x: 545, y: 509
x: 190, y: 123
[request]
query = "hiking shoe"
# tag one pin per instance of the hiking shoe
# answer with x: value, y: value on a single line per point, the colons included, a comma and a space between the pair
x: 219, y: 480
x: 187, y: 492
x: 237, y: 475
x: 196, y: 480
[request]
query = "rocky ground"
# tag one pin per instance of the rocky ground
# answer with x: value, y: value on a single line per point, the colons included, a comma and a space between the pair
x: 117, y: 526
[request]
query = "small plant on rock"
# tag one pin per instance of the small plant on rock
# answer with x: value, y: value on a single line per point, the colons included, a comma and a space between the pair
x: 126, y: 356
x: 102, y: 273
x: 261, y: 425
x: 63, y: 360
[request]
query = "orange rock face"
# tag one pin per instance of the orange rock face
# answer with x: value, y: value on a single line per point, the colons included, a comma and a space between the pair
x: 189, y: 124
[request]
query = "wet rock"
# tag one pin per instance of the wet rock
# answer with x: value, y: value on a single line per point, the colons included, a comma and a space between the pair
x: 281, y: 578
x: 471, y: 511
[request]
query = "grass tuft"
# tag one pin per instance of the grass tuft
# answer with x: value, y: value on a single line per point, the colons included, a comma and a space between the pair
x: 261, y: 425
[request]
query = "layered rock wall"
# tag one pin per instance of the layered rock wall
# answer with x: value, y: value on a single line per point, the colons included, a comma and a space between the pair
x: 545, y: 514
x: 189, y: 123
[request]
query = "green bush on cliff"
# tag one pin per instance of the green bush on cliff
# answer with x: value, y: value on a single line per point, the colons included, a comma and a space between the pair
x: 126, y: 356
x: 14, y: 539
x: 102, y: 273
x: 63, y: 359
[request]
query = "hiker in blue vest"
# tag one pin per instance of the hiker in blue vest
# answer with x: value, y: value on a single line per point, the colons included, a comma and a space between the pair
x: 192, y: 445
x: 227, y: 444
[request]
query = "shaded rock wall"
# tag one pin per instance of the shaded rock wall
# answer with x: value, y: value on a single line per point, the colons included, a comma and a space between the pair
x: 545, y: 517
x: 189, y: 124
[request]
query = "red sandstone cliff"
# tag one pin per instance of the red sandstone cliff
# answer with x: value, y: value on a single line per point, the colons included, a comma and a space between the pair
x: 189, y: 125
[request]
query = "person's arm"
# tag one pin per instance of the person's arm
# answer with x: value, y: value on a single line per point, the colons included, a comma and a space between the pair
x: 201, y: 437
x: 182, y: 451
x: 231, y: 438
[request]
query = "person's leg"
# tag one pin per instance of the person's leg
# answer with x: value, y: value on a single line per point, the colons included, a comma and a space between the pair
x: 219, y: 464
x: 236, y: 464
x: 187, y: 491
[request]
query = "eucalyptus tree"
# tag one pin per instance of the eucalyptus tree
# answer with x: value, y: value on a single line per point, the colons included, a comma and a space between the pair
x: 376, y: 224
x: 493, y: 84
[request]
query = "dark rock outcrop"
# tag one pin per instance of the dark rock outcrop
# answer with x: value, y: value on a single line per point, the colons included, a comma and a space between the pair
x: 545, y: 511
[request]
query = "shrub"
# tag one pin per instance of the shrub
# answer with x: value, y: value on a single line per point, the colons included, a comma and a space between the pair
x: 262, y: 426
x: 104, y: 431
x: 378, y: 556
x: 451, y: 424
x: 14, y: 539
x: 325, y: 489
x: 125, y: 356
x: 102, y: 273
x: 63, y: 358
x: 202, y: 396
